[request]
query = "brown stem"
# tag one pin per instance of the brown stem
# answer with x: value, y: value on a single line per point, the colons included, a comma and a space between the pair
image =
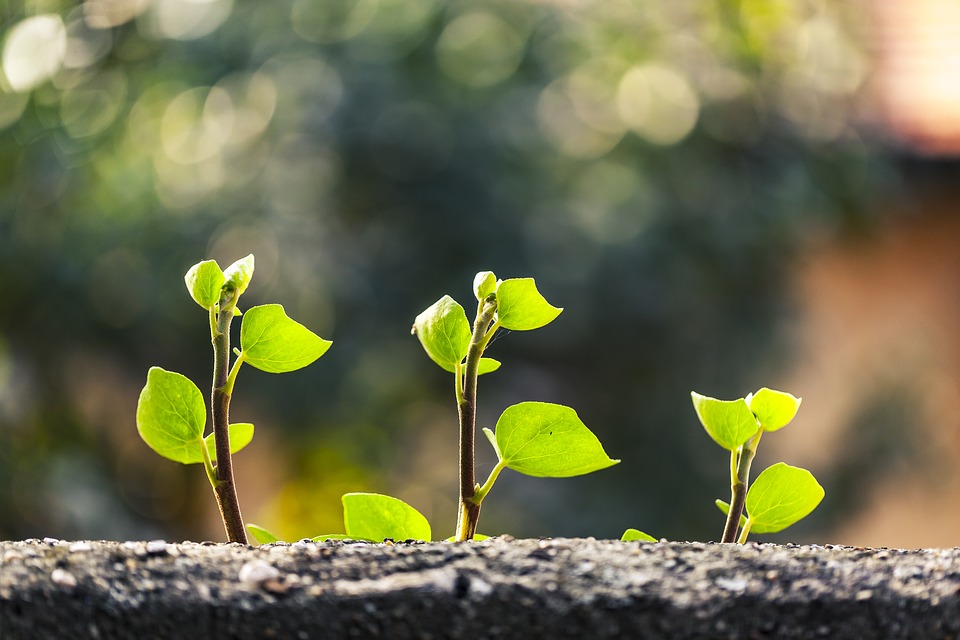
x: 738, y: 488
x: 225, y: 488
x: 469, y: 512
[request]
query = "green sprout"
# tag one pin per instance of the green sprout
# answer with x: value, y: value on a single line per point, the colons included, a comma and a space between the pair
x: 533, y: 438
x: 781, y: 495
x: 171, y: 413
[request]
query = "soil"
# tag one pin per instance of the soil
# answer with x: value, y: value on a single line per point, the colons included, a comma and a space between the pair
x: 500, y: 588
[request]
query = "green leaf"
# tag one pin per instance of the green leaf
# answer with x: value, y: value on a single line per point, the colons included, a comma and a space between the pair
x: 488, y: 365
x: 376, y: 517
x: 238, y: 275
x: 272, y: 342
x: 339, y: 536
x: 520, y: 307
x: 241, y: 434
x: 171, y: 415
x: 774, y: 409
x: 548, y: 441
x: 725, y: 508
x: 444, y: 332
x: 729, y: 422
x: 635, y: 534
x: 204, y: 281
x: 484, y: 284
x: 261, y: 535
x: 492, y: 437
x: 780, y: 496
x: 477, y: 537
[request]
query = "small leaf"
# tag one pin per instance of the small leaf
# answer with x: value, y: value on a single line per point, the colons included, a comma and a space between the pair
x: 204, y: 281
x: 241, y: 434
x: 635, y: 534
x: 725, y: 508
x: 548, y: 441
x: 261, y: 535
x: 520, y: 307
x: 376, y: 517
x: 780, y: 496
x: 338, y: 536
x: 774, y: 409
x: 729, y: 422
x: 477, y: 537
x: 444, y: 332
x: 484, y: 284
x: 491, y: 436
x: 487, y: 365
x: 171, y: 416
x: 238, y: 275
x: 272, y: 342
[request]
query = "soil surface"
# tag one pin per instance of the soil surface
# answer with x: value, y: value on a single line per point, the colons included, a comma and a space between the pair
x: 501, y: 588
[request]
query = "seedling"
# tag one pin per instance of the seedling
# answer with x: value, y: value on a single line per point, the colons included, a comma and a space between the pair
x: 534, y: 438
x: 781, y: 495
x: 171, y: 413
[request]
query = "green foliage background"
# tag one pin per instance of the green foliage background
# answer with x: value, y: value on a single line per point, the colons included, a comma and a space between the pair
x: 374, y: 155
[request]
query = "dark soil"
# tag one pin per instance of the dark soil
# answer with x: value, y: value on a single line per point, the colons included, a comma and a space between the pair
x: 501, y: 588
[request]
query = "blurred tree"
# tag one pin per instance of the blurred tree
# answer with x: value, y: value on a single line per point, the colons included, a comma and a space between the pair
x: 655, y: 166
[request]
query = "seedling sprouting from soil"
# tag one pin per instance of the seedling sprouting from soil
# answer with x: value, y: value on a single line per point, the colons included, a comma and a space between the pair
x: 171, y: 413
x: 534, y: 438
x: 781, y: 495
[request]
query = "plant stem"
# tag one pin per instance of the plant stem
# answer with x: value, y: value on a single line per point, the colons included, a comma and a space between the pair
x: 469, y: 511
x: 225, y: 489
x: 740, y: 472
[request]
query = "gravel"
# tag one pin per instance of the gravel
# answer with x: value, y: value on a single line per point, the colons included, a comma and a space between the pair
x: 500, y: 588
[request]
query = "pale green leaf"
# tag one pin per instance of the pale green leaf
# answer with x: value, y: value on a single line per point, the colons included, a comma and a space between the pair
x: 548, y: 440
x: 238, y: 275
x: 484, y: 284
x: 241, y: 434
x: 487, y: 365
x: 171, y: 416
x: 204, y: 281
x: 774, y: 409
x: 272, y: 342
x: 520, y: 307
x: 492, y: 437
x: 729, y: 422
x: 780, y: 496
x: 444, y: 332
x: 635, y: 534
x: 339, y: 536
x: 376, y: 517
x: 725, y: 508
x: 261, y: 535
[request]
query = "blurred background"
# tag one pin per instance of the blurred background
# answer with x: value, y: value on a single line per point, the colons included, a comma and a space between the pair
x: 722, y: 195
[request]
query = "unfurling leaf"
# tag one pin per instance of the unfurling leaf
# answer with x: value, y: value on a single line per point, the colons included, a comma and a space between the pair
x: 238, y: 275
x: 373, y: 516
x: 444, y: 332
x: 272, y: 342
x: 520, y: 307
x: 484, y: 284
x: 548, y: 440
x: 204, y: 281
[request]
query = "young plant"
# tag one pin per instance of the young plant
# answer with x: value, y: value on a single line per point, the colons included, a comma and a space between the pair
x: 781, y: 495
x: 534, y: 438
x: 171, y: 413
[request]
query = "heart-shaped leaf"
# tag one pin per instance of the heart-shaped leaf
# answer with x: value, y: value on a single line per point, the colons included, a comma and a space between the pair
x: 548, y: 441
x: 635, y: 534
x: 729, y: 422
x: 171, y: 416
x: 272, y: 342
x: 520, y: 307
x: 373, y: 516
x: 780, y: 496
